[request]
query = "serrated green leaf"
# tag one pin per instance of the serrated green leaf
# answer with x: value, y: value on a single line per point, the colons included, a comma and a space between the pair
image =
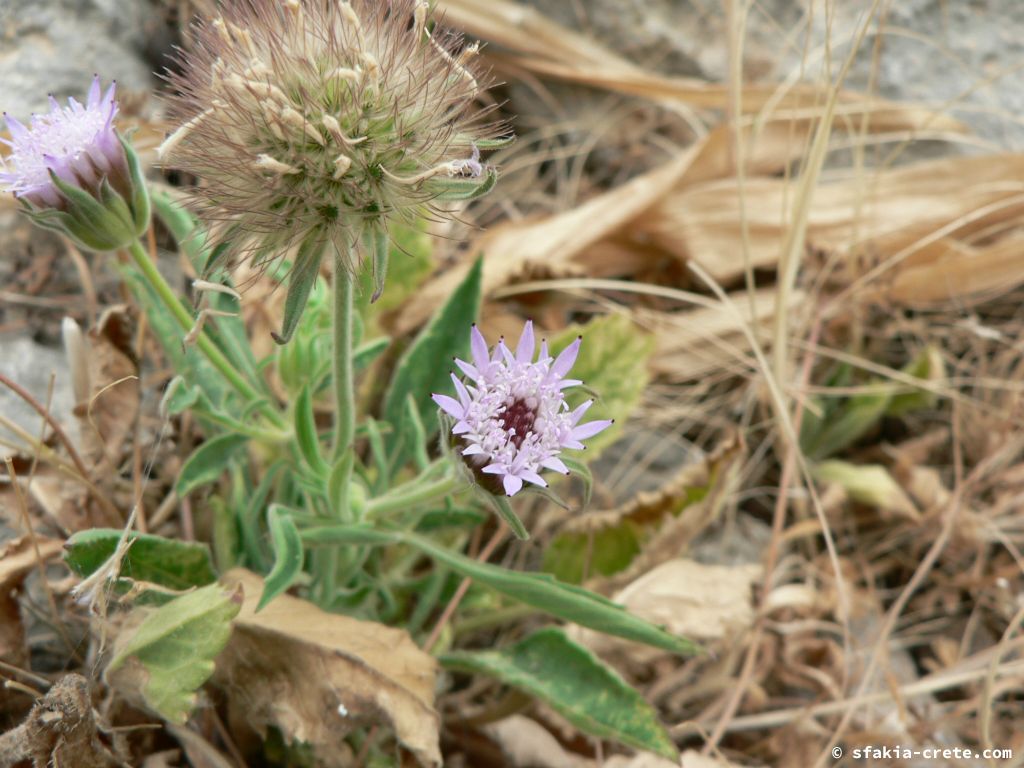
x: 168, y: 562
x: 170, y: 654
x: 208, y: 461
x: 424, y: 367
x: 613, y: 363
x: 580, y: 687
x: 288, y: 554
x: 540, y: 590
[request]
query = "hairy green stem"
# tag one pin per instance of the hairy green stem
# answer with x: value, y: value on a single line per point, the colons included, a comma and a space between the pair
x: 186, y: 321
x: 327, y: 564
x: 344, y: 386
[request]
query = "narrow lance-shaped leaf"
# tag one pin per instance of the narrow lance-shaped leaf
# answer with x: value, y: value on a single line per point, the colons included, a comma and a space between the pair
x: 425, y: 365
x: 541, y: 591
x: 580, y: 687
x: 287, y: 545
x: 208, y: 461
x: 300, y: 283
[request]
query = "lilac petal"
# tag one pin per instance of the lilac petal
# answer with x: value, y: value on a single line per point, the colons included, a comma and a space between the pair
x: 512, y: 484
x: 567, y: 383
x: 449, y: 405
x: 94, y: 93
x: 578, y: 412
x: 479, y: 348
x: 460, y: 388
x: 526, y: 346
x: 473, y: 450
x: 461, y: 428
x: 18, y: 131
x: 591, y: 428
x: 505, y: 352
x: 544, y: 356
x: 530, y: 476
x: 556, y: 464
x: 566, y: 359
x: 54, y: 104
x: 468, y: 369
x: 494, y: 469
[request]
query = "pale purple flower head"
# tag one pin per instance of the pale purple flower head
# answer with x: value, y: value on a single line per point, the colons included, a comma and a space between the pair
x: 77, y: 143
x: 513, y: 416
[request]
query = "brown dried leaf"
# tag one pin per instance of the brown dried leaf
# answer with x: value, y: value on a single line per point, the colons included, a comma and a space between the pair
x: 690, y: 599
x: 911, y: 226
x: 107, y: 416
x: 341, y: 674
x: 17, y: 558
x: 525, y: 743
x: 552, y: 50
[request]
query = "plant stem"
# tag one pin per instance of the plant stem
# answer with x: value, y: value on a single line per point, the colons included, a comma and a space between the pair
x: 326, y: 564
x: 417, y: 494
x: 344, y: 387
x: 186, y: 321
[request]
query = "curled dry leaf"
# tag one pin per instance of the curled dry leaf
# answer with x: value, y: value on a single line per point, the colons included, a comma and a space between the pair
x: 690, y: 599
x: 550, y: 49
x: 525, y: 743
x: 689, y: 759
x: 317, y: 676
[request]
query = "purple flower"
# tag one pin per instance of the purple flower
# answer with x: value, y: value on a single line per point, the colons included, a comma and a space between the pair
x: 513, y: 417
x: 77, y: 143
x: 73, y: 173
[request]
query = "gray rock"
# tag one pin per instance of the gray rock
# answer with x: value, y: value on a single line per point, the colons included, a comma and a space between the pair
x: 31, y: 365
x: 55, y: 46
x: 970, y: 54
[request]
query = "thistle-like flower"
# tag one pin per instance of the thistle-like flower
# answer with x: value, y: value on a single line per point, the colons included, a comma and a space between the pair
x: 73, y: 173
x: 513, y: 417
x: 312, y: 122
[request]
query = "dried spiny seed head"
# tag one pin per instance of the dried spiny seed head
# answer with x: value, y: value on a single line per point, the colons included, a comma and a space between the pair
x: 317, y: 120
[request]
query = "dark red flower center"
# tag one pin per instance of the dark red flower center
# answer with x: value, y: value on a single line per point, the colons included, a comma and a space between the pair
x: 518, y: 416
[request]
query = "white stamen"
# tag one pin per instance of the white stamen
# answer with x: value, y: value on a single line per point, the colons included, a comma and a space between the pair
x: 333, y: 128
x: 341, y: 165
x: 172, y: 141
x: 206, y: 285
x: 268, y: 163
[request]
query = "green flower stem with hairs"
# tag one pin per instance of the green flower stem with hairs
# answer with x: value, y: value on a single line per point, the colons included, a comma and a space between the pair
x: 206, y: 346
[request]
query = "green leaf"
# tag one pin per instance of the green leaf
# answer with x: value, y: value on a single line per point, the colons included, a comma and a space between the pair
x: 613, y: 363
x: 581, y: 688
x: 284, y: 537
x: 168, y: 562
x: 178, y: 397
x: 208, y: 461
x: 540, y: 590
x: 300, y: 282
x: 306, y: 436
x: 425, y: 366
x: 171, y: 653
x: 463, y: 188
x: 410, y: 262
x: 583, y: 471
x: 504, y: 510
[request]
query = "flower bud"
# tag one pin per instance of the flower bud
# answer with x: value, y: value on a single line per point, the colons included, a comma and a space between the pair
x: 73, y: 173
